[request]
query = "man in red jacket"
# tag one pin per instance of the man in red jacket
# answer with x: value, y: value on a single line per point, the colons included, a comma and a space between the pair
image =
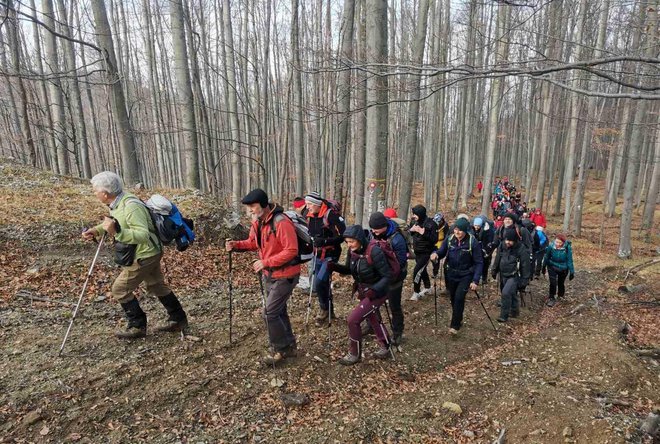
x: 274, y: 237
x: 538, y: 218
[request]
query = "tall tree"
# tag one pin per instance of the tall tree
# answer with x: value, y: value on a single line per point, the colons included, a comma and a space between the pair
x: 298, y: 140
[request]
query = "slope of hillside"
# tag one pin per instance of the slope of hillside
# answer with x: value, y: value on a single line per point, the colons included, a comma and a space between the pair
x: 585, y: 371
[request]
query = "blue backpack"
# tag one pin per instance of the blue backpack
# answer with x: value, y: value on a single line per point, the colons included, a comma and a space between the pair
x: 169, y: 222
x: 543, y: 239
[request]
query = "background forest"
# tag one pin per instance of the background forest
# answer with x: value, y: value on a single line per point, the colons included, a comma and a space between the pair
x: 357, y: 99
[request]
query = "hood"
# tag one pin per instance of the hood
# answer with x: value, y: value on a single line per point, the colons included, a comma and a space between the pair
x: 356, y: 232
x: 420, y: 212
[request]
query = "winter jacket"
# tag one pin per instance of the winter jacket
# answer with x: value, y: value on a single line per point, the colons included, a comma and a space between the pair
x: 464, y: 258
x: 135, y: 226
x: 424, y: 243
x: 327, y: 239
x: 513, y: 262
x: 524, y: 235
x: 443, y: 231
x: 398, y: 244
x: 276, y: 251
x: 538, y: 219
x: 540, y: 241
x: 560, y: 259
x: 372, y: 280
x: 486, y: 236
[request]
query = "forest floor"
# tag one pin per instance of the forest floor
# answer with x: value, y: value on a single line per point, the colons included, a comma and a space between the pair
x: 572, y: 373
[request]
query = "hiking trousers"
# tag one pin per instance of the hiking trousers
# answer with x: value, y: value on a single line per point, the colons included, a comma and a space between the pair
x: 323, y: 285
x: 557, y: 279
x: 421, y: 261
x: 278, y: 292
x: 510, y: 302
x: 145, y: 270
x: 366, y: 309
x: 394, y: 297
x: 457, y: 291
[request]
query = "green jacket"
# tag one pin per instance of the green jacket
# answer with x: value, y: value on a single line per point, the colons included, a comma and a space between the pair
x: 136, y: 226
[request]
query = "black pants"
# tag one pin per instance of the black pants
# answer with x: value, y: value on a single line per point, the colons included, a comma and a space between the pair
x: 557, y: 279
x: 537, y: 262
x: 457, y: 291
x: 510, y: 302
x: 421, y: 261
x: 484, y: 274
x: 394, y: 297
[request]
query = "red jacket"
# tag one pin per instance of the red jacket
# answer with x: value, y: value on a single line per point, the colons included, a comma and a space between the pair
x: 538, y: 219
x: 276, y: 251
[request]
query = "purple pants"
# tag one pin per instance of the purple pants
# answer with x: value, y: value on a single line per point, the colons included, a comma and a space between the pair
x: 366, y: 309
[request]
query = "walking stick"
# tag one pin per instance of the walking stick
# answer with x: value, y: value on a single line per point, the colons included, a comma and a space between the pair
x: 231, y: 299
x: 486, y: 311
x: 263, y: 303
x: 82, y: 293
x: 382, y: 326
x: 435, y: 296
x: 311, y: 287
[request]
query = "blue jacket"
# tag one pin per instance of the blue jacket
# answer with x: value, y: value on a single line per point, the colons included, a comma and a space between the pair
x: 399, y: 246
x: 464, y: 258
x: 559, y: 259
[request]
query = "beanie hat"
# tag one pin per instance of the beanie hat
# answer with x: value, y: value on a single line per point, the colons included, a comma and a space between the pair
x: 390, y: 212
x: 512, y: 216
x: 419, y: 211
x: 478, y: 222
x: 510, y: 234
x: 377, y: 220
x: 438, y: 217
x: 462, y: 224
x: 298, y: 202
x: 256, y: 196
x: 562, y: 237
x: 463, y: 216
x: 314, y: 198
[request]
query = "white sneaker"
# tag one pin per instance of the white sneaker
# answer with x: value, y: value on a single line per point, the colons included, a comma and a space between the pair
x: 416, y: 296
x: 425, y: 291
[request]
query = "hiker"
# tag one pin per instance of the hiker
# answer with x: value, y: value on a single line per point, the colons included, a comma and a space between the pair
x: 404, y: 228
x: 480, y: 186
x: 425, y: 234
x: 276, y: 252
x: 299, y: 206
x: 372, y: 275
x: 510, y: 220
x: 558, y: 261
x: 540, y: 244
x: 326, y: 227
x: 443, y: 231
x: 485, y: 234
x: 138, y: 251
x: 538, y: 218
x: 463, y: 269
x: 387, y: 230
x: 513, y: 266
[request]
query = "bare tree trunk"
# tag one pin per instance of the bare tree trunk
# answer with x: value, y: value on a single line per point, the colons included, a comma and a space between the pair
x: 344, y: 95
x: 298, y: 139
x: 127, y: 146
x: 410, y: 153
x: 360, y: 146
x: 652, y: 194
x: 377, y: 111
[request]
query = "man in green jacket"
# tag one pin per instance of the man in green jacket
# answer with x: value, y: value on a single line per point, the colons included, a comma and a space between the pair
x: 135, y: 236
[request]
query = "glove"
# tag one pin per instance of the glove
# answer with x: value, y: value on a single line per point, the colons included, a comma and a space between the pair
x: 571, y: 276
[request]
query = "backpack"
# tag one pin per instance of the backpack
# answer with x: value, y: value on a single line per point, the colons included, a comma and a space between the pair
x: 333, y: 205
x: 169, y: 223
x: 305, y: 244
x: 386, y: 248
x: 543, y: 239
x: 404, y: 229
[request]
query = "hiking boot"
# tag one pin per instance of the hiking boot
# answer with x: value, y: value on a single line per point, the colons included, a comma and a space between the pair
x: 382, y: 353
x: 131, y: 333
x: 321, y: 318
x: 502, y: 319
x: 416, y: 296
x: 397, y: 338
x: 551, y: 302
x: 425, y: 291
x: 515, y: 313
x: 498, y: 303
x: 279, y: 356
x: 453, y: 331
x: 177, y: 320
x: 349, y: 359
x: 137, y: 321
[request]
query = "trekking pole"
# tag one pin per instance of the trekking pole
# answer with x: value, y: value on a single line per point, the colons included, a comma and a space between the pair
x: 382, y: 326
x: 263, y: 303
x: 311, y: 287
x: 486, y: 311
x: 82, y: 293
x: 231, y: 299
x: 329, y: 321
x: 435, y: 296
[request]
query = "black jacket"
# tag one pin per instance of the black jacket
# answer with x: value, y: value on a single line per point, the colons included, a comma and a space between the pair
x: 464, y: 258
x: 513, y: 262
x: 486, y: 238
x: 523, y: 234
x: 327, y: 239
x: 424, y: 243
x: 371, y: 279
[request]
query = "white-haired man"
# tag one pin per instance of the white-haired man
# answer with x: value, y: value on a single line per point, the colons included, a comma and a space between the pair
x: 138, y: 250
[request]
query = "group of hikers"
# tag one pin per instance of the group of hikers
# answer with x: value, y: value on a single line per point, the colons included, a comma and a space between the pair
x: 377, y: 259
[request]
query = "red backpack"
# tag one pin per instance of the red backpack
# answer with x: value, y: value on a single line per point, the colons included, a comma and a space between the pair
x: 392, y: 260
